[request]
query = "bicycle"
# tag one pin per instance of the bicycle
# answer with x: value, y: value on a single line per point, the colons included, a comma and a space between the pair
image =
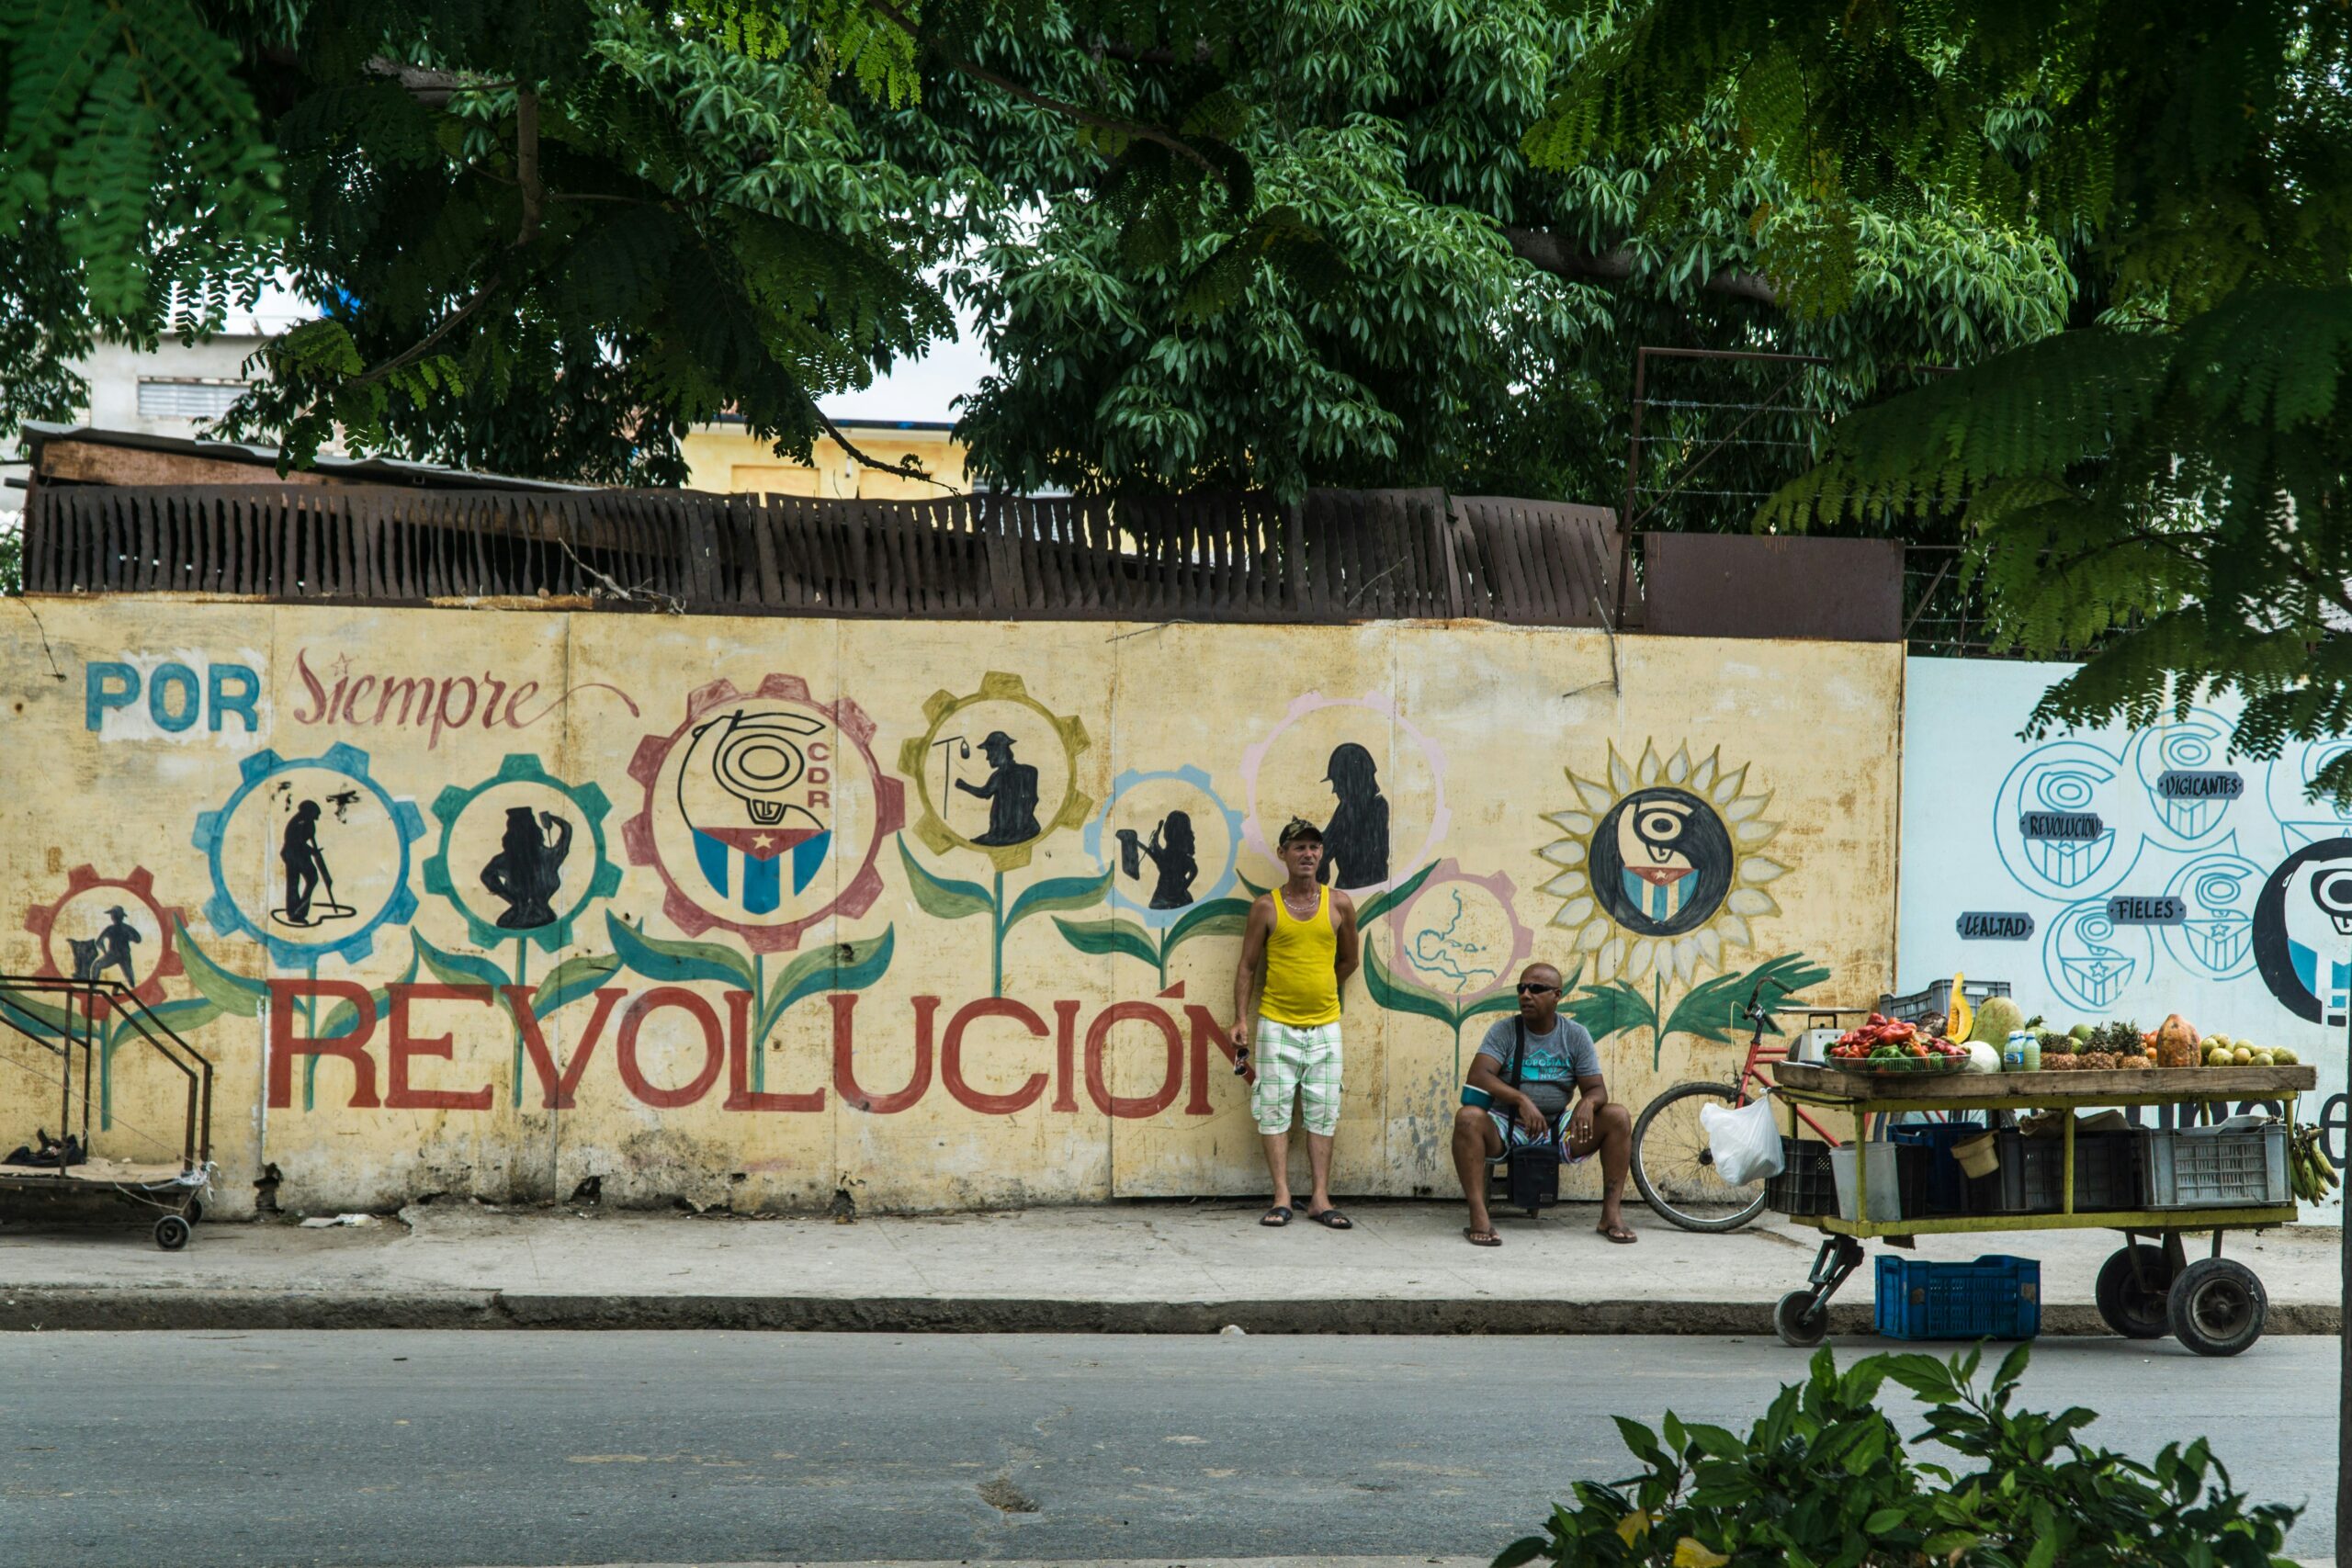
x: 1673, y: 1168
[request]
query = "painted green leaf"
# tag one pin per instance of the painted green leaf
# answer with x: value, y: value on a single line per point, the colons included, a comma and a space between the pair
x: 38, y: 1019
x: 232, y: 994
x: 344, y: 1019
x: 1712, y: 1010
x: 1218, y: 916
x: 1255, y: 890
x: 182, y: 1016
x: 838, y: 966
x: 1398, y: 995
x: 1117, y: 934
x: 1058, y: 893
x: 1379, y: 904
x: 659, y: 958
x: 467, y: 969
x: 944, y: 898
x: 573, y: 978
x: 1501, y: 1001
x: 1611, y: 1009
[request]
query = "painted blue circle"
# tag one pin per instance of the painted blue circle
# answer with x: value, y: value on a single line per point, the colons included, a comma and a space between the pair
x: 1160, y: 919
x: 230, y: 919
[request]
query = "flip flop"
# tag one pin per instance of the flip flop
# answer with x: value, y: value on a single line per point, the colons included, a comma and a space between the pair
x: 1331, y: 1219
x: 1276, y: 1217
x: 1482, y: 1238
x: 1618, y: 1233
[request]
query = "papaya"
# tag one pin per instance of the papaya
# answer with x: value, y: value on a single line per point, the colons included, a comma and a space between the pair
x: 2176, y: 1043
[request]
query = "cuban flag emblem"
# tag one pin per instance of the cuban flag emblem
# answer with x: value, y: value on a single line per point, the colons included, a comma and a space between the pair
x: 756, y: 789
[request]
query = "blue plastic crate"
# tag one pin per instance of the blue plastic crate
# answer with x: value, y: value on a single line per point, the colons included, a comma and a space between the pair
x: 1993, y: 1298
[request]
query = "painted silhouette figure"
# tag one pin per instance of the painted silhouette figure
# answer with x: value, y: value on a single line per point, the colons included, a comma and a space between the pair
x: 1010, y: 792
x: 1171, y: 855
x: 528, y: 868
x: 110, y: 949
x: 298, y: 852
x: 1355, y: 843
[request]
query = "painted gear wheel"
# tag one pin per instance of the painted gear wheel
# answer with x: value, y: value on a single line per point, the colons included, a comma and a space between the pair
x: 1197, y: 778
x: 996, y: 686
x: 1500, y: 886
x: 229, y: 920
x: 852, y: 723
x: 41, y: 919
x: 587, y: 800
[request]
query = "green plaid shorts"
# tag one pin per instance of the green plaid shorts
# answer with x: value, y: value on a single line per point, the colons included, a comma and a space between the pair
x: 1301, y: 1062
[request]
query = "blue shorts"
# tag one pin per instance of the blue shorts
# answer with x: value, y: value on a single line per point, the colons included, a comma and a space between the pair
x: 1515, y: 1136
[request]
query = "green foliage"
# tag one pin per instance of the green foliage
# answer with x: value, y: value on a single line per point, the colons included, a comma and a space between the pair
x: 1427, y: 348
x: 944, y: 898
x: 2163, y: 486
x: 1824, y: 1478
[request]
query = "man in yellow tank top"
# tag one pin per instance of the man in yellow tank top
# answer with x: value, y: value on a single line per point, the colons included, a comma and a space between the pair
x: 1303, y: 937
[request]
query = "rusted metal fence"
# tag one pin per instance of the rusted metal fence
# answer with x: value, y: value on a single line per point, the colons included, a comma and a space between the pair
x: 1340, y: 556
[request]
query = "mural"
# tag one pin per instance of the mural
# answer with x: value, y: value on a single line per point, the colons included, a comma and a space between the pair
x: 2126, y: 873
x: 1662, y: 873
x: 474, y: 902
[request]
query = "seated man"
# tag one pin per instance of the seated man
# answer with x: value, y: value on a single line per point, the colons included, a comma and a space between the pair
x: 1553, y: 1052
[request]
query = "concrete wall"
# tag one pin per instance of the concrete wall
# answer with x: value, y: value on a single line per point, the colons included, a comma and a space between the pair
x: 2007, y: 876
x: 789, y: 953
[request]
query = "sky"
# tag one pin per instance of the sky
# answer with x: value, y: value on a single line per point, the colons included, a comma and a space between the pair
x: 922, y: 389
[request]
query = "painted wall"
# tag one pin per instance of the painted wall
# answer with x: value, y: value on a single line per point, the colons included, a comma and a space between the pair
x: 753, y: 911
x: 2235, y: 905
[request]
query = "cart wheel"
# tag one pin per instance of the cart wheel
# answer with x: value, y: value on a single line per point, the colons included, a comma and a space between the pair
x: 171, y: 1233
x: 2218, y: 1306
x: 1800, y: 1321
x: 2136, y: 1301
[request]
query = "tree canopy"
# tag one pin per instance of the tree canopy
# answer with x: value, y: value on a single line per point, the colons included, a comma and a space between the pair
x: 2165, y: 486
x: 1215, y: 242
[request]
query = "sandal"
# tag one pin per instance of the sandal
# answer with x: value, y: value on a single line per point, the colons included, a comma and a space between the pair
x: 1331, y: 1219
x: 1618, y: 1233
x: 1275, y: 1216
x: 1482, y: 1238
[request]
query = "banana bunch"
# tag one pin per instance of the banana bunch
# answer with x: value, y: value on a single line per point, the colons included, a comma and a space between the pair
x: 2310, y: 1172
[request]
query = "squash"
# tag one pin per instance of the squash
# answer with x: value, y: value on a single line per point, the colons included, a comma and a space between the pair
x: 2176, y: 1043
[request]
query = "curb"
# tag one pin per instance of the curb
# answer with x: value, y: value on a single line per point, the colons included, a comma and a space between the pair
x: 51, y: 1309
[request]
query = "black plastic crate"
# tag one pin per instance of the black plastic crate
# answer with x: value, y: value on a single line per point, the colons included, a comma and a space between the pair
x: 2032, y: 1175
x: 1804, y: 1185
x: 1946, y: 1183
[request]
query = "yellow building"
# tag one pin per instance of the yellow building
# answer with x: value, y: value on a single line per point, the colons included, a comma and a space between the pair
x: 726, y: 459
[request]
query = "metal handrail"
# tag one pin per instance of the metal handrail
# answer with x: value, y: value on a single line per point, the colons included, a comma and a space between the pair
x: 197, y: 1144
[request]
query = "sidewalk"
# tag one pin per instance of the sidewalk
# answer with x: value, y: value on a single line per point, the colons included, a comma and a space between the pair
x: 1132, y: 1268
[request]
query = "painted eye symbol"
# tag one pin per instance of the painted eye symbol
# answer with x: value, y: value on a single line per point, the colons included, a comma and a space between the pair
x: 1658, y: 824
x: 2068, y: 788
x: 2332, y: 891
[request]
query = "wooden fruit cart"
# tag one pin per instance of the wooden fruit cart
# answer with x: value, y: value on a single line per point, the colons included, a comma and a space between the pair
x: 2214, y: 1305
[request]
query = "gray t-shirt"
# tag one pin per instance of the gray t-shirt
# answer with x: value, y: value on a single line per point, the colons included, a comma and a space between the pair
x: 1562, y: 1056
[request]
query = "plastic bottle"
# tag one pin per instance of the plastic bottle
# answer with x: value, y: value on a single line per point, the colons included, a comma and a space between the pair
x: 2014, y: 1049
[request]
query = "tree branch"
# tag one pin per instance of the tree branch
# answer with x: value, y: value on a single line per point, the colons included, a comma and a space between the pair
x: 424, y: 345
x: 1546, y: 251
x: 526, y: 163
x: 903, y: 470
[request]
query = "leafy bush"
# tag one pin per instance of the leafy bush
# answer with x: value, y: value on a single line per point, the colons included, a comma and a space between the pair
x: 1824, y: 1480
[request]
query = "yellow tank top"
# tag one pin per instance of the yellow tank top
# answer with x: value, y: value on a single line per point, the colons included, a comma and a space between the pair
x: 1302, y: 978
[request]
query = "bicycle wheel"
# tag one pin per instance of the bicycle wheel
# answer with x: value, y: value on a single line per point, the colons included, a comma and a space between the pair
x: 1675, y: 1173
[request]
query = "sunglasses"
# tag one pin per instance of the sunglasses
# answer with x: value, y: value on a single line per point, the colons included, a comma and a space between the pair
x: 1527, y: 990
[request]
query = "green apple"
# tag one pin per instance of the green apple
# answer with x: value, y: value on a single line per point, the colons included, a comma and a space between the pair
x: 2282, y: 1057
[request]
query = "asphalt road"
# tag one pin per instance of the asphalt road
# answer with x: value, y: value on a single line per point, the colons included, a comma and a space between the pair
x: 520, y: 1447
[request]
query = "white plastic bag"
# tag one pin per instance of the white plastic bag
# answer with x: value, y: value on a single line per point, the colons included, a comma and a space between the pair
x: 1746, y: 1144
